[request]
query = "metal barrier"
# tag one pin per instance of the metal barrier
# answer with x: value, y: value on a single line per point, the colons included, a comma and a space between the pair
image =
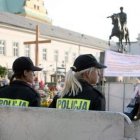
x: 117, y: 95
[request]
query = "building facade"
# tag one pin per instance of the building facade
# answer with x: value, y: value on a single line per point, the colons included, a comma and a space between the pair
x: 18, y: 25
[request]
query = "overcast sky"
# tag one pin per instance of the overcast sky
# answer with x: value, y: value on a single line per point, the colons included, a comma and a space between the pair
x: 89, y: 16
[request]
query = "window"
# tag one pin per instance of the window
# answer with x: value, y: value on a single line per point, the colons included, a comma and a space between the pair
x: 56, y: 54
x: 44, y: 54
x: 15, y: 49
x: 97, y: 55
x: 2, y: 47
x: 34, y: 6
x: 27, y: 50
x: 37, y: 7
x: 66, y: 57
x: 73, y: 57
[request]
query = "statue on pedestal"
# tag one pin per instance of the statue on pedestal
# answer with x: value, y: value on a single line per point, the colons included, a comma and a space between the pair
x: 120, y: 29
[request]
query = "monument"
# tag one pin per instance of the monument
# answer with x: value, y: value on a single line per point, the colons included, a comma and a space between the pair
x: 120, y: 29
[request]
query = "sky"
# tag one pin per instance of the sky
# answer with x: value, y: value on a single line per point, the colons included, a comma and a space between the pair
x: 89, y: 16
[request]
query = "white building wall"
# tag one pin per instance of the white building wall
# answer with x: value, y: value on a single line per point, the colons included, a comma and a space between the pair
x: 12, y: 34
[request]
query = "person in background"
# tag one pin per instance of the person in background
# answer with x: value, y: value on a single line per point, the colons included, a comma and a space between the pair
x: 20, y: 92
x: 137, y: 96
x: 132, y: 110
x: 78, y: 91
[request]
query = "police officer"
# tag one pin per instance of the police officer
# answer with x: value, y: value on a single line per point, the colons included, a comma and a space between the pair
x: 78, y: 92
x: 19, y: 92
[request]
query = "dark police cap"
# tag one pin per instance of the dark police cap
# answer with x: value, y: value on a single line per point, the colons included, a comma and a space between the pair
x: 24, y: 63
x: 86, y: 61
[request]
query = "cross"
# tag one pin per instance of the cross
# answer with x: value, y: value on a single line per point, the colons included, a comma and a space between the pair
x: 36, y: 42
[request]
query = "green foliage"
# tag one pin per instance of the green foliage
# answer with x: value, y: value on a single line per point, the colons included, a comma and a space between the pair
x: 3, y: 71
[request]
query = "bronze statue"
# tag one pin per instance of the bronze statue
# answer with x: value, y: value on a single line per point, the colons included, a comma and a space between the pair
x: 119, y: 28
x: 123, y: 18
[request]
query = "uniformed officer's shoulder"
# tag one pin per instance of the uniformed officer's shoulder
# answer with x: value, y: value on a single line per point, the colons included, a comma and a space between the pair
x: 32, y: 90
x: 95, y: 89
x: 26, y: 88
x: 3, y: 87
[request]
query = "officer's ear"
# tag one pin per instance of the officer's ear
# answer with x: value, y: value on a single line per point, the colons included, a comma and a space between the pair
x: 25, y: 73
x: 85, y: 74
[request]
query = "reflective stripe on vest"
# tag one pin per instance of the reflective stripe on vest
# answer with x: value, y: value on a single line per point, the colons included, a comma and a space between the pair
x: 67, y: 103
x: 13, y: 102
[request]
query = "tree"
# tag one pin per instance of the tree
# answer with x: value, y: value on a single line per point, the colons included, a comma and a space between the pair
x: 3, y: 71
